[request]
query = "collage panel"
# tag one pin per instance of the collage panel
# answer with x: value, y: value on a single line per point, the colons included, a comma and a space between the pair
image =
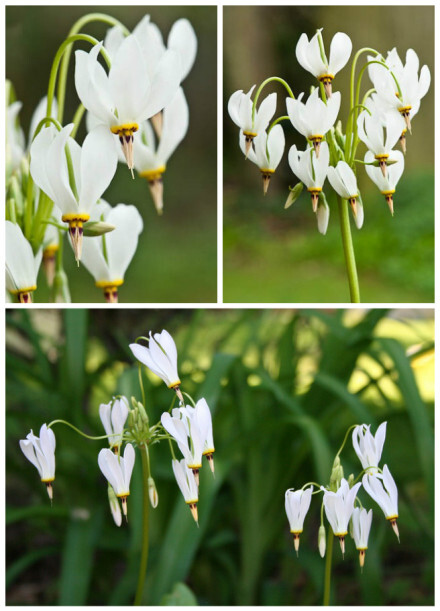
x: 328, y: 154
x: 206, y: 457
x: 87, y: 227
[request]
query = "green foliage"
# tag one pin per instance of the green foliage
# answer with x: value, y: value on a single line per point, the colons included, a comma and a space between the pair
x: 283, y: 387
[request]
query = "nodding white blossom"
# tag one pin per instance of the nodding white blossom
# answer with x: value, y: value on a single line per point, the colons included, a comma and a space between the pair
x: 412, y: 87
x: 130, y: 93
x: 314, y: 118
x: 75, y: 194
x: 312, y: 58
x: 113, y: 416
x: 186, y: 432
x: 118, y: 470
x: 361, y: 520
x: 368, y: 447
x: 269, y: 149
x: 21, y: 264
x: 114, y: 506
x: 240, y: 110
x: 188, y: 486
x: 339, y: 507
x: 151, y: 154
x: 161, y: 358
x: 310, y: 169
x: 343, y: 180
x: 380, y: 132
x: 387, y: 184
x: 40, y: 451
x: 107, y: 257
x: 200, y: 415
x: 382, y: 489
x: 297, y: 503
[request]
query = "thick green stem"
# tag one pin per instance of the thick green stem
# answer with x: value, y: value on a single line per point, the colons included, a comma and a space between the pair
x: 328, y: 568
x: 77, y: 27
x: 350, y: 260
x: 145, y: 525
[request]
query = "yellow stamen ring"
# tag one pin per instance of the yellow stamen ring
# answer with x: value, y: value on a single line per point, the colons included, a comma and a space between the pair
x: 296, y: 532
x: 192, y: 502
x: 126, y: 129
x: 75, y: 219
x: 404, y: 109
x: 107, y: 284
x: 326, y: 78
x: 267, y: 171
x: 123, y: 496
x: 317, y: 138
x: 174, y: 384
x: 27, y: 289
x: 250, y: 134
x: 47, y: 481
x: 152, y: 175
x: 314, y: 190
x: 50, y: 251
x: 388, y: 193
x: 341, y: 534
x: 209, y: 451
x: 382, y: 157
x: 393, y: 517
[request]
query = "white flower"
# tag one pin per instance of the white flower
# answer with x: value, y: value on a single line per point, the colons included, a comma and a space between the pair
x: 412, y: 86
x: 161, y: 358
x: 118, y: 470
x: 269, y: 149
x: 151, y: 157
x: 310, y: 169
x: 40, y: 451
x: 200, y: 415
x: 188, y: 486
x: 314, y: 118
x: 361, y: 520
x: 339, y: 507
x: 129, y: 93
x: 15, y: 141
x: 322, y: 216
x: 297, y: 503
x: 240, y: 111
x: 21, y: 264
x: 343, y: 180
x: 113, y: 416
x: 94, y: 165
x: 188, y: 436
x: 107, y: 257
x: 382, y: 489
x: 387, y: 184
x: 369, y: 448
x: 372, y: 129
x: 308, y: 54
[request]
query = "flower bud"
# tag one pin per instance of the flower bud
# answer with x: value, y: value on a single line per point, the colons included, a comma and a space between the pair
x: 321, y: 540
x: 96, y: 228
x: 61, y: 287
x: 152, y: 491
x: 337, y: 475
x: 293, y: 194
x: 114, y: 506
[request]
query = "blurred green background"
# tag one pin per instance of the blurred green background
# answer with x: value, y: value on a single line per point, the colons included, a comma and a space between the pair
x: 176, y: 260
x: 277, y: 255
x: 283, y: 387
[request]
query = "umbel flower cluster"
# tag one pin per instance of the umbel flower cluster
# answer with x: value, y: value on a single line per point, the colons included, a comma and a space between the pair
x: 137, y: 115
x: 340, y: 501
x: 381, y: 118
x: 127, y: 426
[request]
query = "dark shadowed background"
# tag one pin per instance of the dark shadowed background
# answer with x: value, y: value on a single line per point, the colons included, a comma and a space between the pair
x: 272, y: 254
x: 176, y: 257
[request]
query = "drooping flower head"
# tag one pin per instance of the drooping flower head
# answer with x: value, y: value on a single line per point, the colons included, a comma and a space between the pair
x: 152, y: 154
x: 380, y: 132
x: 368, y: 447
x: 240, y: 110
x: 130, y: 93
x: 21, y: 264
x: 338, y: 507
x: 297, y: 503
x: 200, y: 417
x: 314, y: 118
x: 313, y: 59
x: 161, y: 358
x: 76, y: 187
x: 188, y: 486
x: 269, y: 149
x: 188, y: 436
x: 343, y: 180
x: 40, y: 451
x: 387, y: 184
x: 361, y: 520
x: 118, y: 470
x: 113, y: 416
x: 310, y: 169
x: 107, y: 257
x: 382, y: 489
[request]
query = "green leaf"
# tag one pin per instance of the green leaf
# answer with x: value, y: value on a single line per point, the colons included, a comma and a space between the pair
x: 20, y: 565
